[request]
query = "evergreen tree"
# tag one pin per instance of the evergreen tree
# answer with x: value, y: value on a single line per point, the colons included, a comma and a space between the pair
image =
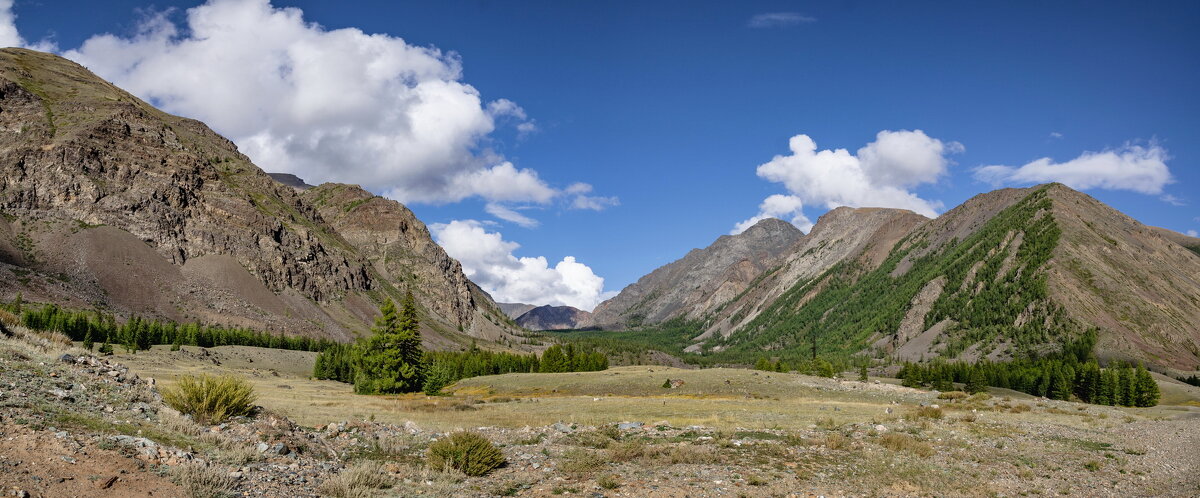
x: 1146, y: 389
x: 88, y: 342
x: 763, y: 364
x: 975, y: 382
x: 389, y: 361
x: 862, y: 373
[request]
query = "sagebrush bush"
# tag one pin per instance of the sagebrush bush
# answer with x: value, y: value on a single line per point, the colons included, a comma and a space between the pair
x: 199, y: 481
x: 467, y: 452
x: 953, y: 395
x: 902, y: 442
x: 210, y: 399
x: 359, y: 480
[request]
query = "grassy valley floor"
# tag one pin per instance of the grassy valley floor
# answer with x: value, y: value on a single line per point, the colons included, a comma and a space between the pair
x: 718, y: 432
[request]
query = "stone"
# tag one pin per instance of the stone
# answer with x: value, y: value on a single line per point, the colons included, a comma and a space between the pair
x: 66, y: 358
x: 880, y: 428
x: 564, y: 428
x: 262, y: 447
x: 279, y: 449
x: 629, y: 425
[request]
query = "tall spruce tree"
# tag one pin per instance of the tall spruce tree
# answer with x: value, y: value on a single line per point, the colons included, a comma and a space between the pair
x: 1146, y: 392
x: 390, y: 360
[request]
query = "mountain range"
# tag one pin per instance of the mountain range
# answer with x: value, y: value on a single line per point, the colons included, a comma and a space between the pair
x: 108, y: 203
x: 1008, y: 273
x: 112, y: 204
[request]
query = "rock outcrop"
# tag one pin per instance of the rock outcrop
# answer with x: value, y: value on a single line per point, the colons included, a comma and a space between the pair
x: 108, y: 202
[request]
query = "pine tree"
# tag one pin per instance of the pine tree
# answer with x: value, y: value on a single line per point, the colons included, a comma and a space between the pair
x: 389, y: 361
x: 975, y: 382
x: 862, y: 373
x: 763, y: 364
x: 1146, y: 390
x: 88, y: 341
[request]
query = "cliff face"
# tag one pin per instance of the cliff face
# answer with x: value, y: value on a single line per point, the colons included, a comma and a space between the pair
x: 400, y: 248
x: 110, y: 202
x: 701, y: 280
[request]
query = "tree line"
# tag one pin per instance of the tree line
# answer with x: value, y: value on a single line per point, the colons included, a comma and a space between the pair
x: 391, y: 359
x: 1071, y: 374
x: 138, y: 334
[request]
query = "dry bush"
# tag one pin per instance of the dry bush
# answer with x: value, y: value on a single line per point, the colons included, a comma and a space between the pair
x: 836, y: 441
x: 629, y: 450
x: 199, y: 481
x: 979, y: 397
x: 210, y: 399
x: 608, y: 481
x: 1020, y: 408
x: 9, y: 319
x: 828, y: 423
x: 359, y: 480
x: 926, y: 412
x: 578, y: 461
x: 901, y: 442
x: 953, y: 395
x: 691, y: 454
x: 466, y: 452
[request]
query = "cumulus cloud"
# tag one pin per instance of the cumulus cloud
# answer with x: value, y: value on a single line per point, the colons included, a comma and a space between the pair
x: 779, y: 20
x: 508, y: 214
x: 1193, y: 233
x: 778, y: 206
x: 327, y: 105
x: 1130, y: 167
x: 880, y: 174
x: 488, y: 260
x: 11, y: 37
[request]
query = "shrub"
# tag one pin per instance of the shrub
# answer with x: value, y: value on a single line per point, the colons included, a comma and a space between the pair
x: 199, y: 481
x: 468, y: 452
x: 927, y: 412
x: 901, y: 442
x: 361, y: 479
x: 952, y: 395
x: 608, y: 481
x: 836, y: 441
x: 210, y: 399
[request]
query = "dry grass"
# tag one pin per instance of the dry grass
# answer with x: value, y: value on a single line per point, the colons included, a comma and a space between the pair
x: 926, y: 412
x: 362, y: 479
x: 903, y: 442
x: 199, y: 481
x: 836, y: 441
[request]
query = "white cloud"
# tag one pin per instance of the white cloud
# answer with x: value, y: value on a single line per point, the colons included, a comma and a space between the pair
x: 779, y: 20
x: 880, y: 174
x: 488, y: 260
x: 1172, y: 200
x: 508, y: 214
x: 778, y: 206
x: 11, y: 37
x: 1056, y: 135
x: 583, y: 201
x: 1130, y: 167
x: 1193, y: 233
x: 328, y: 105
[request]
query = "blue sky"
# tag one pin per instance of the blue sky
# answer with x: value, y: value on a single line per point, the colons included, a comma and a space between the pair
x: 666, y: 110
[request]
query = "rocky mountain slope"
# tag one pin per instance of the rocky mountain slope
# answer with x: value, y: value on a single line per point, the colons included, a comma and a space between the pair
x: 108, y: 202
x: 515, y: 310
x: 700, y: 281
x: 1008, y: 273
x: 555, y: 318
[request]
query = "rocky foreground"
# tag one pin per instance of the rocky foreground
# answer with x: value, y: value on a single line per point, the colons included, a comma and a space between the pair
x: 74, y: 424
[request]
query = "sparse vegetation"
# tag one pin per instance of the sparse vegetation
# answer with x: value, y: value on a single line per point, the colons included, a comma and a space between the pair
x: 358, y: 480
x: 467, y: 452
x: 210, y: 399
x: 200, y: 481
